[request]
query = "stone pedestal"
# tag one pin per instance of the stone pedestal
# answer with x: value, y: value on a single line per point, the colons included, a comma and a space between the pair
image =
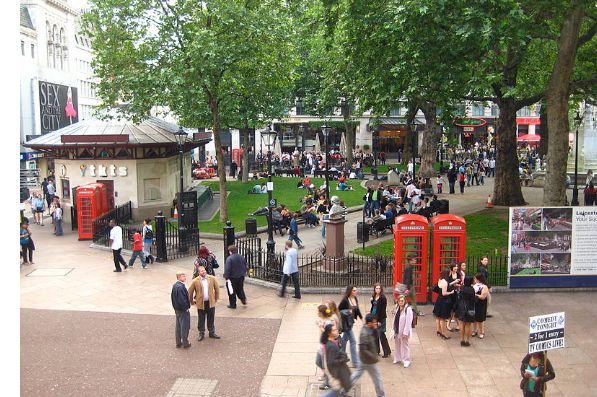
x: 334, y: 241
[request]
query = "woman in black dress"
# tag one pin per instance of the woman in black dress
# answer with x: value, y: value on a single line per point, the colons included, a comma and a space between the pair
x: 454, y: 282
x: 443, y: 307
x: 466, y: 308
x: 379, y: 304
x: 481, y: 293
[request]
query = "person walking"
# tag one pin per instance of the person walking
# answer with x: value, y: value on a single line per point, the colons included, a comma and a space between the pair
x: 235, y: 270
x: 204, y: 292
x: 462, y: 181
x: 535, y: 370
x: 147, y: 241
x: 290, y: 270
x: 137, y: 250
x: 206, y: 259
x: 379, y: 304
x: 402, y: 332
x: 368, y: 355
x: 181, y: 305
x: 349, y: 310
x: 27, y: 246
x: 116, y: 245
x: 334, y: 362
x: 37, y: 205
x: 293, y: 232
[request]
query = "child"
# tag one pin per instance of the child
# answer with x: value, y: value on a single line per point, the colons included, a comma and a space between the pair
x: 137, y: 250
x: 440, y: 183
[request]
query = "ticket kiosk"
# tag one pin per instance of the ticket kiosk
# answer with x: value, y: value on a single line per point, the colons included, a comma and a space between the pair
x: 411, y: 241
x: 91, y: 202
x: 448, y: 243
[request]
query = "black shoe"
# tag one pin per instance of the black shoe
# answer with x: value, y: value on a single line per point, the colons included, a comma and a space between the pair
x: 179, y: 346
x: 489, y: 315
x: 385, y: 356
x: 214, y: 336
x: 186, y: 346
x: 201, y: 337
x: 231, y: 307
x: 117, y: 271
x: 151, y: 258
x: 244, y: 302
x: 126, y: 267
x: 296, y: 297
x: 462, y: 343
x: 467, y: 343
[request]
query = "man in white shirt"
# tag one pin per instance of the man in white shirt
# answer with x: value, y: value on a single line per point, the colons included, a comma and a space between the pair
x: 116, y: 245
x: 291, y: 270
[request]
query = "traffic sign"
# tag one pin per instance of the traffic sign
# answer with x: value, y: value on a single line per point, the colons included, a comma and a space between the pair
x: 273, y: 203
x: 546, y: 332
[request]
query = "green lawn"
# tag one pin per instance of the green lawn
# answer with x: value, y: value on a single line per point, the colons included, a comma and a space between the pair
x: 240, y: 203
x: 487, y: 234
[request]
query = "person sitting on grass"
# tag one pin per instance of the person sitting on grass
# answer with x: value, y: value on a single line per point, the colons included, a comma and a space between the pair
x: 343, y: 186
x: 256, y: 189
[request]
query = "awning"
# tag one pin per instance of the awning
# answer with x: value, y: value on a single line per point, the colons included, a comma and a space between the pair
x: 529, y: 138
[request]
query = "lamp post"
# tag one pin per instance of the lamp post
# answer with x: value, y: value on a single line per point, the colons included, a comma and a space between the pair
x: 180, y: 137
x: 301, y: 132
x: 441, y: 148
x: 270, y: 137
x: 577, y: 122
x: 374, y: 142
x: 413, y: 129
x: 326, y: 131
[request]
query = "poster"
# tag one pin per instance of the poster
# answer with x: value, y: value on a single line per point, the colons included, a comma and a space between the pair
x: 547, y: 332
x: 553, y: 247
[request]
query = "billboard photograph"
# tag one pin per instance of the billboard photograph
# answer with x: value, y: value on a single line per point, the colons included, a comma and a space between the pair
x: 553, y: 247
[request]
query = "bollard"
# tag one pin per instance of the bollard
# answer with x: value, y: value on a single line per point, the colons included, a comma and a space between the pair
x: 228, y: 238
x: 160, y: 238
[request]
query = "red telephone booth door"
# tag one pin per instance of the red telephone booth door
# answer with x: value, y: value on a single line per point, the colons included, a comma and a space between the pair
x: 448, y: 242
x: 85, y: 211
x: 411, y: 243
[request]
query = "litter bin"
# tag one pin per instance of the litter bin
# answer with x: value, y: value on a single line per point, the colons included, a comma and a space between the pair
x: 251, y: 226
x: 362, y: 232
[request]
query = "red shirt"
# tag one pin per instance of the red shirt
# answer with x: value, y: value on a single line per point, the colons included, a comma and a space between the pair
x: 137, y: 242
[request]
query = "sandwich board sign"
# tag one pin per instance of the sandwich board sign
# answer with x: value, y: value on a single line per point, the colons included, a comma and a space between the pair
x: 546, y: 332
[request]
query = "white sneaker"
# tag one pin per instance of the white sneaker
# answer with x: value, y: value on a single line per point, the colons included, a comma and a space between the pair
x: 396, y: 362
x: 406, y: 364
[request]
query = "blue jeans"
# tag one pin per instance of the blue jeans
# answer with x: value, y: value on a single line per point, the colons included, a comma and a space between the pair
x: 375, y: 376
x: 349, y: 336
x: 58, y: 223
x: 141, y: 258
x: 295, y: 238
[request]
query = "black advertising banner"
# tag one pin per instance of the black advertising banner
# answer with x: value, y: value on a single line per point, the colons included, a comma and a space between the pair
x: 58, y: 106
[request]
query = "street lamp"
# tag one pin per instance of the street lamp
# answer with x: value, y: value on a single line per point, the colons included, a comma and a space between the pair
x: 374, y: 143
x: 301, y: 132
x: 577, y: 121
x: 181, y: 137
x: 441, y: 148
x: 270, y: 137
x: 413, y: 129
x: 326, y: 131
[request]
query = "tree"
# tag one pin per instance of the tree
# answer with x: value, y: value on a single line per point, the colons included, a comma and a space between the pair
x: 200, y: 59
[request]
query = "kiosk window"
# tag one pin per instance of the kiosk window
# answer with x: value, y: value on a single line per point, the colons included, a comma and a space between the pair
x: 65, y: 188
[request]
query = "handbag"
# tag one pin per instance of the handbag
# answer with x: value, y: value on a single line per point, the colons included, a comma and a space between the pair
x: 436, y: 289
x: 470, y: 312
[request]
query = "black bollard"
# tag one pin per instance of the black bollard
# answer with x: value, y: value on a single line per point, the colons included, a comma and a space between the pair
x: 160, y: 238
x: 228, y: 238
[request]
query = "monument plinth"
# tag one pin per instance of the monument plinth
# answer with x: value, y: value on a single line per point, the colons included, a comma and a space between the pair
x: 334, y: 240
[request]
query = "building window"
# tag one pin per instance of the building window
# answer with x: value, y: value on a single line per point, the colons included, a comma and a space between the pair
x: 396, y: 112
x: 151, y: 189
x: 22, y: 47
x: 32, y: 50
x: 524, y: 112
x: 495, y: 110
x: 478, y: 109
x: 65, y: 188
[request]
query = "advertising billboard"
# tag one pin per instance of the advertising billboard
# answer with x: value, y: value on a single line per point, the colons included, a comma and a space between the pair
x: 58, y: 106
x: 553, y: 247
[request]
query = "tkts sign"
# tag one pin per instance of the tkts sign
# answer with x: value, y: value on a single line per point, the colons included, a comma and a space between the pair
x: 58, y: 106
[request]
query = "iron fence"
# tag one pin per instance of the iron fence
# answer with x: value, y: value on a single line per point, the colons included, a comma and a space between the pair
x: 497, y: 268
x: 181, y: 243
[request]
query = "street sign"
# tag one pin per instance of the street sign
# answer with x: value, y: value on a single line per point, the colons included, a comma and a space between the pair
x: 273, y: 203
x: 546, y: 332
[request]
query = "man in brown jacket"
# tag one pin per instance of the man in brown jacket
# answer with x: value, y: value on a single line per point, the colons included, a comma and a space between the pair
x: 204, y: 292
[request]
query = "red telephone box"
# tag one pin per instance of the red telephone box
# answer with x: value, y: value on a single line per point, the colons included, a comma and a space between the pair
x: 411, y: 240
x: 91, y: 202
x: 448, y: 241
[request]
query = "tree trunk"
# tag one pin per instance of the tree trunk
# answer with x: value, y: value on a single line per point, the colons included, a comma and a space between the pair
x: 245, y: 155
x: 544, y: 142
x: 558, y: 92
x: 350, y: 139
x: 507, y: 190
x: 215, y: 116
x: 431, y: 136
x: 411, y: 112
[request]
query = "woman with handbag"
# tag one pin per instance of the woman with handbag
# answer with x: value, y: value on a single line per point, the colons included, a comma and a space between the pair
x: 454, y: 283
x: 402, y: 331
x: 379, y: 304
x: 334, y: 362
x: 481, y: 293
x: 442, y: 307
x: 349, y: 309
x: 466, y: 311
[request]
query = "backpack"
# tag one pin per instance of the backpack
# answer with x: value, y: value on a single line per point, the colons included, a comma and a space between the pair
x: 148, y: 233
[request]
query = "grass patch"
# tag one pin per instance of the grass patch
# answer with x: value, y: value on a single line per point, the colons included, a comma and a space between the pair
x: 240, y: 203
x: 486, y: 234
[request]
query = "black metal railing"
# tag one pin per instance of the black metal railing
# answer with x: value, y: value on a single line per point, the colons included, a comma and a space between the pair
x: 73, y: 218
x: 181, y: 243
x: 121, y: 214
x: 497, y: 267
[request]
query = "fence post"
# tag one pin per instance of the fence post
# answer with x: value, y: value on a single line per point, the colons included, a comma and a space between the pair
x: 228, y: 238
x: 160, y: 238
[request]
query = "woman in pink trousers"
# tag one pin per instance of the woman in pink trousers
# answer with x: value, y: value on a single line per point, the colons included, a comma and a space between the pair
x: 402, y: 332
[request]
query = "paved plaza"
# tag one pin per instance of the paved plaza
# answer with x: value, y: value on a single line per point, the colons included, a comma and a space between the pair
x: 88, y: 331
